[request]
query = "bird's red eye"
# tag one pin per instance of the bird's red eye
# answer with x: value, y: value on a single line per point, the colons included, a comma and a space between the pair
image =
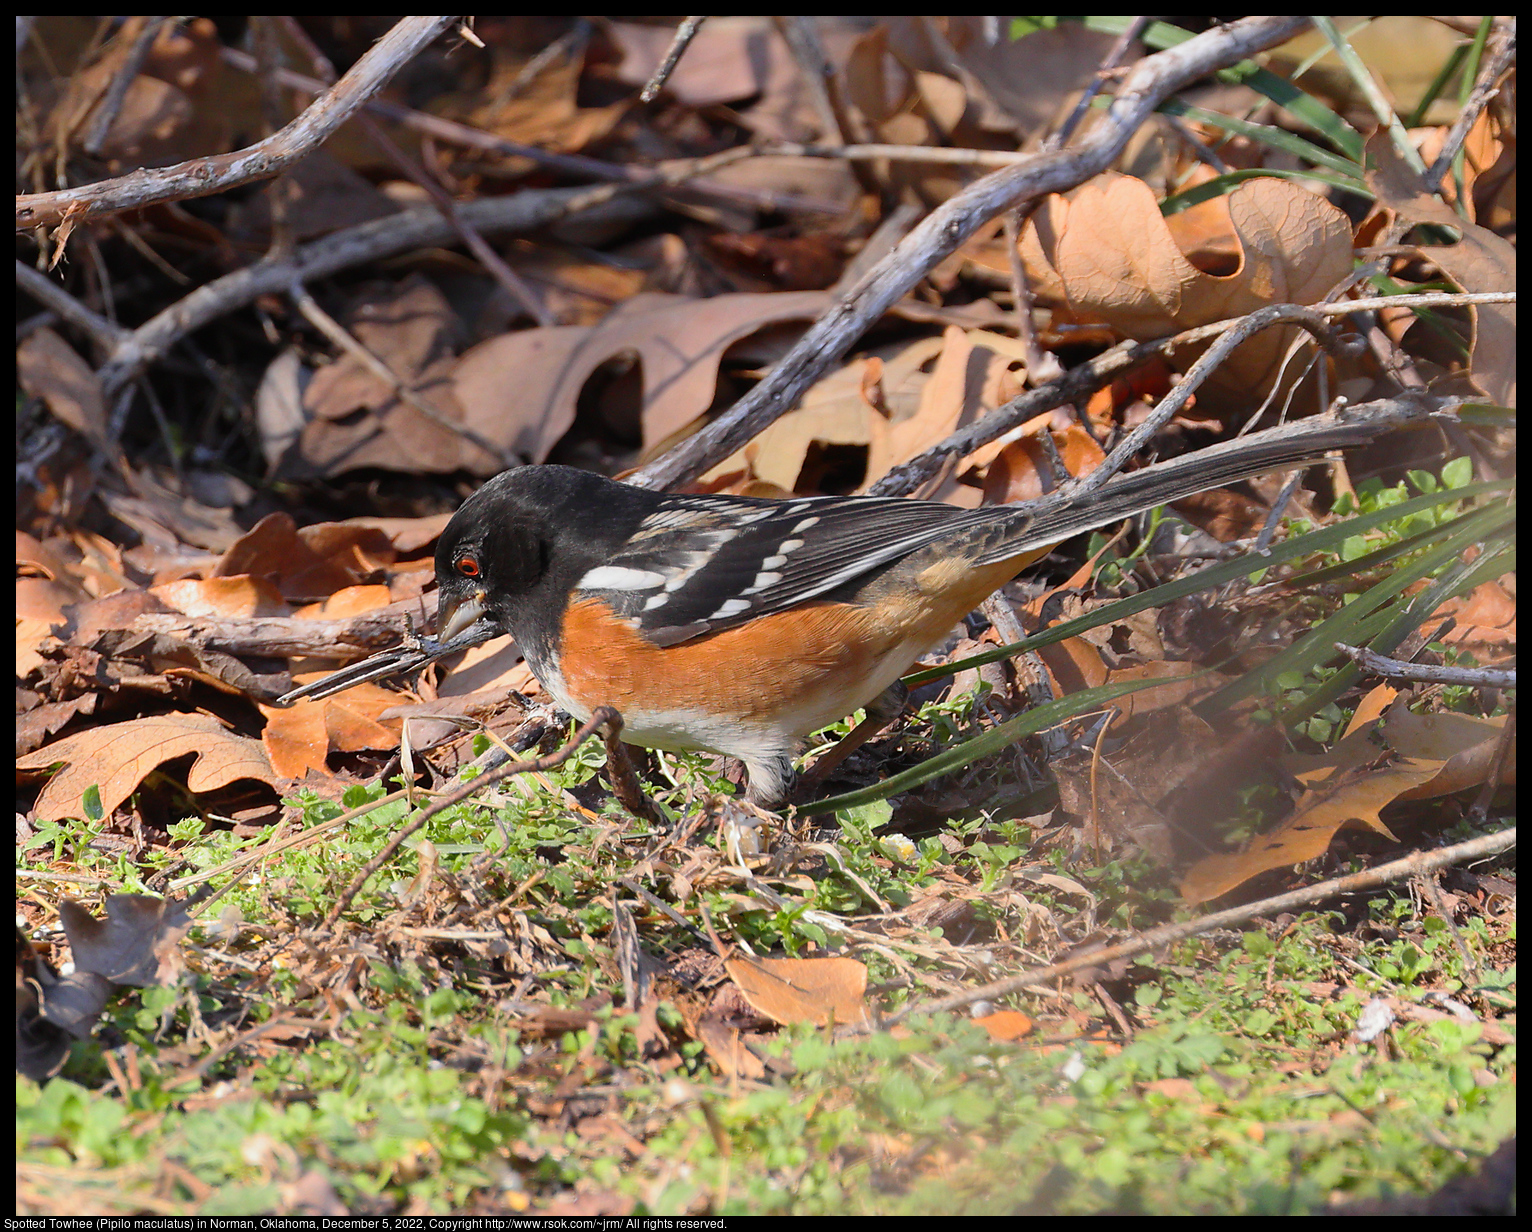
x: 468, y: 566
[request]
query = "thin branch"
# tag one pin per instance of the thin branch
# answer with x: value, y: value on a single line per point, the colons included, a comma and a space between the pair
x: 508, y: 279
x: 111, y: 103
x: 1412, y: 865
x: 570, y: 164
x: 1083, y: 380
x: 198, y: 177
x: 104, y: 333
x: 1170, y: 405
x: 685, y: 32
x: 367, y: 242
x: 1428, y: 673
x: 1114, y: 57
x: 1483, y: 91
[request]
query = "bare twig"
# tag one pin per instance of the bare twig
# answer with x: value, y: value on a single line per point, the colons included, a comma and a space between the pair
x: 1170, y: 405
x: 1503, y: 752
x: 1278, y: 509
x: 111, y: 103
x: 1114, y: 57
x: 1412, y: 865
x: 951, y: 225
x: 284, y: 636
x: 104, y: 333
x: 685, y: 32
x: 352, y: 346
x: 580, y: 165
x: 366, y: 242
x: 1483, y: 91
x: 508, y: 279
x: 867, y: 151
x: 1371, y: 91
x: 1082, y: 381
x: 1042, y: 366
x: 1428, y: 673
x: 198, y: 177
x: 604, y: 718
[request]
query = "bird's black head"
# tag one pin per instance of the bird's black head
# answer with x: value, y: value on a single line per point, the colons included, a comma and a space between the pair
x: 516, y: 547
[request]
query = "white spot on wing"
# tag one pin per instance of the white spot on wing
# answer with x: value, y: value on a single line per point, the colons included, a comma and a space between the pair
x: 773, y: 562
x: 657, y: 601
x: 790, y: 545
x: 762, y: 580
x: 619, y: 577
x: 804, y: 525
x: 732, y: 608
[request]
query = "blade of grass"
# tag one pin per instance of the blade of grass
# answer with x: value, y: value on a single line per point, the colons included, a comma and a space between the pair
x: 1230, y: 180
x: 1371, y: 91
x: 1326, y: 539
x: 1295, y: 101
x: 1026, y: 724
x: 1415, y: 611
x: 1465, y: 88
x: 1355, y: 622
x: 1450, y: 66
x: 1277, y: 138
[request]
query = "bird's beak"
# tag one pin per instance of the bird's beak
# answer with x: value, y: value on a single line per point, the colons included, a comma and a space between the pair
x: 455, y: 615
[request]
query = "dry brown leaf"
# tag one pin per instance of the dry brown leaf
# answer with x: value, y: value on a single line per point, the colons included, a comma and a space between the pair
x: 117, y: 758
x: 1371, y: 708
x: 136, y: 944
x: 1183, y: 681
x: 1481, y: 261
x: 1439, y: 754
x: 823, y: 991
x: 1486, y: 620
x: 782, y: 262
x: 348, y: 601
x: 1021, y: 471
x: 241, y: 596
x: 1113, y: 256
x: 319, y: 194
x: 353, y: 418
x: 40, y: 604
x: 1465, y: 745
x: 1021, y: 84
x: 731, y: 59
x: 948, y: 400
x: 575, y: 289
x: 851, y: 406
x: 49, y: 368
x: 679, y: 343
x: 726, y: 1045
x: 298, y: 738
x: 1006, y: 1025
x: 1308, y: 833
x: 307, y: 563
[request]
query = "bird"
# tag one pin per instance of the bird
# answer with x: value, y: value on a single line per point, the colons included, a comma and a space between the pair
x: 741, y: 624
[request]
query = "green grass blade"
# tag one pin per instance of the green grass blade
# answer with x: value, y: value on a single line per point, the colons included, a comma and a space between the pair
x: 1027, y: 723
x: 1326, y: 539
x: 1356, y: 621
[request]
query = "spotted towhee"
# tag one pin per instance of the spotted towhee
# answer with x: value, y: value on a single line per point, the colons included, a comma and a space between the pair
x: 739, y: 624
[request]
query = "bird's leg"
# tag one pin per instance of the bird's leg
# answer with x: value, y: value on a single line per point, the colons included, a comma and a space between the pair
x: 625, y: 785
x: 881, y: 711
